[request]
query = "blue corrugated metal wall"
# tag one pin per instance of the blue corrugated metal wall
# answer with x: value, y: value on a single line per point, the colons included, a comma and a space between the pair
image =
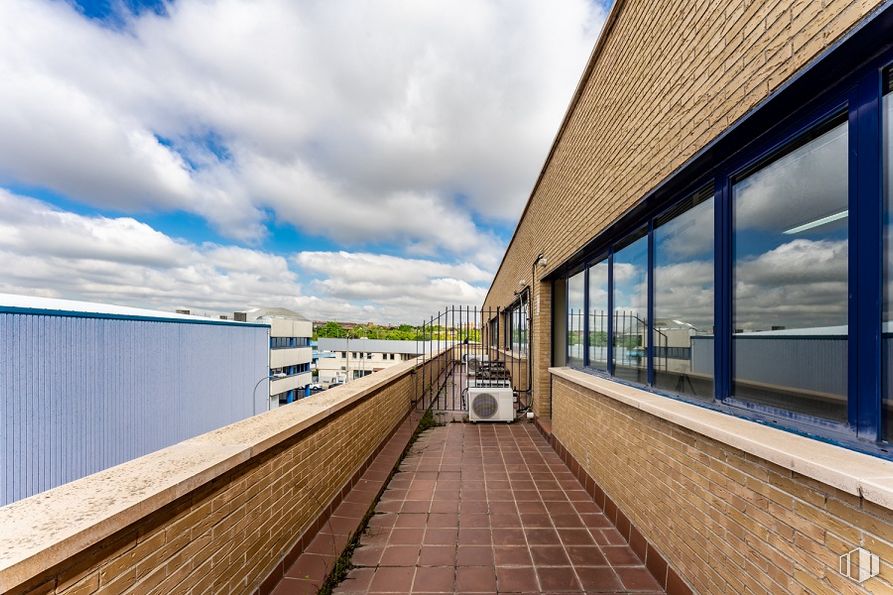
x: 80, y: 394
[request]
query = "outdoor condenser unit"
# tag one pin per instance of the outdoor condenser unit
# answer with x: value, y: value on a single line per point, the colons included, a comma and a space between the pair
x: 491, y: 404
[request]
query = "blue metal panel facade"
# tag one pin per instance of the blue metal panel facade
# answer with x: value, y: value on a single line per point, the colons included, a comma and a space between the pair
x: 79, y: 394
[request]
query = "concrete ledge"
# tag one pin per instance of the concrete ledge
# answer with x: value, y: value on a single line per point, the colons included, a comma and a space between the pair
x: 42, y: 531
x: 855, y: 473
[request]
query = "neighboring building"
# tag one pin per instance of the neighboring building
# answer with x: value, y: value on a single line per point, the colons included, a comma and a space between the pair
x: 290, y: 351
x: 708, y: 261
x: 343, y: 359
x: 87, y: 386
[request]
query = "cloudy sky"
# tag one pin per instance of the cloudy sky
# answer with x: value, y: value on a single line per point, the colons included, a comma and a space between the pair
x: 356, y: 160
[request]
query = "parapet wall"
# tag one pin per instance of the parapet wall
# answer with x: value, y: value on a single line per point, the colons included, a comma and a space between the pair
x: 216, y: 513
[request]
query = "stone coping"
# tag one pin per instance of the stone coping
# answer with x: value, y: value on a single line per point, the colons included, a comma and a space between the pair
x: 847, y: 470
x: 38, y: 532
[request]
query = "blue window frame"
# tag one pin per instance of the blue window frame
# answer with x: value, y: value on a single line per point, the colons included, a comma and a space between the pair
x: 757, y: 280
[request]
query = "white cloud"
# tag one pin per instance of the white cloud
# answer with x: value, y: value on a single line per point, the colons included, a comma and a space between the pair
x: 362, y: 121
x: 54, y: 253
x: 799, y: 284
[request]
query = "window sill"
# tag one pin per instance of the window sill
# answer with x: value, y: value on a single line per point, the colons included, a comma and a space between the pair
x: 847, y: 470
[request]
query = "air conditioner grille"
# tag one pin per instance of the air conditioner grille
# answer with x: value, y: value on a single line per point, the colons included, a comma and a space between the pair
x: 484, y: 405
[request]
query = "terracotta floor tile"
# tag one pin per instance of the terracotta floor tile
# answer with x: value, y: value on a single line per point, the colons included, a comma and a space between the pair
x: 445, y: 506
x: 400, y: 555
x: 314, y: 567
x: 438, y: 555
x: 531, y: 507
x: 415, y: 506
x: 475, y: 555
x: 596, y: 579
x: 292, y: 586
x: 356, y: 582
x: 516, y: 580
x: 411, y: 520
x: 476, y: 579
x: 503, y: 508
x: 621, y: 556
x: 474, y: 521
x: 586, y: 555
x: 509, y: 536
x: 549, y: 555
x: 542, y: 537
x: 472, y: 507
x: 575, y: 537
x: 561, y: 508
x: 434, y: 579
x: 595, y: 521
x: 505, y: 520
x: 535, y: 519
x: 386, y: 520
x: 637, y: 579
x: 412, y: 536
x: 392, y: 580
x: 512, y: 556
x: 474, y: 536
x: 613, y: 536
x: 476, y: 508
x: 441, y: 537
x: 558, y: 579
x: 367, y: 555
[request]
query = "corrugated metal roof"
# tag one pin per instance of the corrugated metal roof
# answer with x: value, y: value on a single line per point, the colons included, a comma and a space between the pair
x: 52, y: 306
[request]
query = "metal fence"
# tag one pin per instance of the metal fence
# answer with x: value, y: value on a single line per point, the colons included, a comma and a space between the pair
x: 478, y: 348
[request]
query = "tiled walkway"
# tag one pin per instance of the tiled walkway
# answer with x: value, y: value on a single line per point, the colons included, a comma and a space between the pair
x: 487, y: 509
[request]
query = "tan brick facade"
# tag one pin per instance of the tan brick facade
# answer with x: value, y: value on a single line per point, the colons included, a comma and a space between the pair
x: 227, y: 535
x: 664, y: 80
x: 726, y: 521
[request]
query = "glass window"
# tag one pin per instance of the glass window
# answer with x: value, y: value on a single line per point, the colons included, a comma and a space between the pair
x: 598, y: 315
x: 887, y: 331
x: 683, y: 299
x: 519, y: 328
x: 575, y: 312
x: 631, y: 310
x: 790, y: 280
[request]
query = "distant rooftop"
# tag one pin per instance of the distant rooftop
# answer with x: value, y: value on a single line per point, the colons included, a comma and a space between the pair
x: 260, y: 313
x: 28, y: 303
x: 372, y: 345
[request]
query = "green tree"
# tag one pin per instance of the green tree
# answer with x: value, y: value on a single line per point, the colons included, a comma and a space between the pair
x: 331, y: 330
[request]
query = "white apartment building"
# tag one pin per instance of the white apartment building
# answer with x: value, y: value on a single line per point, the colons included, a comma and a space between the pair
x: 342, y: 360
x: 290, y: 351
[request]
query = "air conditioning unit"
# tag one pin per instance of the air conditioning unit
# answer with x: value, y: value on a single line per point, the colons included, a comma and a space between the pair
x: 491, y: 404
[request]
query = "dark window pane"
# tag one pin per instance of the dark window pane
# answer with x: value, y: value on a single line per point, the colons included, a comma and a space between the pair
x: 575, y: 320
x: 598, y: 315
x: 631, y: 311
x: 790, y: 280
x: 683, y: 299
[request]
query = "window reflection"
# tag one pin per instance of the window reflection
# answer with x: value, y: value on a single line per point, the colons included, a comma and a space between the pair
x: 630, y: 310
x: 683, y: 299
x: 598, y: 315
x: 575, y: 313
x: 790, y: 280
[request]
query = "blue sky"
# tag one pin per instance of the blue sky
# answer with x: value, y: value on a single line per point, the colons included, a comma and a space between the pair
x: 349, y: 160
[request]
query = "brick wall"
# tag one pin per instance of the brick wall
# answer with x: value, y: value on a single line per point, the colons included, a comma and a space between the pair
x: 229, y: 534
x: 726, y: 521
x: 665, y: 80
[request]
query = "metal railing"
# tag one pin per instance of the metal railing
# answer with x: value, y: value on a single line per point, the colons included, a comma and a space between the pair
x: 477, y: 349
